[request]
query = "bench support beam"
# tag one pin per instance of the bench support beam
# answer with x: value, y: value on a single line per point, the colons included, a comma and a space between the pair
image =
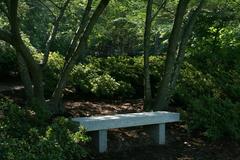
x: 99, y: 139
x: 157, y: 132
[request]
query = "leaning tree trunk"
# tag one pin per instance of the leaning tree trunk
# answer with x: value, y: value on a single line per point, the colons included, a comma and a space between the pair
x: 163, y: 92
x: 187, y: 30
x: 57, y: 94
x: 79, y: 32
x: 24, y: 51
x: 147, y: 34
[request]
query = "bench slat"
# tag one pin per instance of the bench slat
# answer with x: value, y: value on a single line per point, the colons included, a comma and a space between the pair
x: 95, y: 123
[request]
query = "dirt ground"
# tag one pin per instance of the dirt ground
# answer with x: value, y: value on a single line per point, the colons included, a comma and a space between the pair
x: 135, y: 144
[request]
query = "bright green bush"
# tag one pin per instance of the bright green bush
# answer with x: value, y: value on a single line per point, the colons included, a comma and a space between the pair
x: 81, y: 76
x: 104, y: 85
x: 90, y: 79
x: 22, y: 138
x: 218, y: 118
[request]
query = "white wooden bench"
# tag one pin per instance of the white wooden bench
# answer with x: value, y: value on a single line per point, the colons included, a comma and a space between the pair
x: 100, y: 124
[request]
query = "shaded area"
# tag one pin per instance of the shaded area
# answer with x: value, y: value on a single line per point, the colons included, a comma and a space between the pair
x: 135, y: 143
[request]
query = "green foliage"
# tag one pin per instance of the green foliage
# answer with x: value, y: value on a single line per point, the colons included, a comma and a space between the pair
x: 193, y: 83
x: 115, y: 76
x: 81, y: 76
x: 90, y: 79
x: 51, y: 72
x: 104, y: 85
x: 22, y: 138
x: 218, y: 118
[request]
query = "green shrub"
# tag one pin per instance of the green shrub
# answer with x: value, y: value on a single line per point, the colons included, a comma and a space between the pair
x: 89, y: 79
x: 218, y: 118
x: 22, y: 138
x: 104, y: 85
x: 115, y: 76
x: 193, y: 83
x: 82, y: 75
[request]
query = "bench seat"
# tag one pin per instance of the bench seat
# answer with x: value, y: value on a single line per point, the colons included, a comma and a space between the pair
x: 154, y: 120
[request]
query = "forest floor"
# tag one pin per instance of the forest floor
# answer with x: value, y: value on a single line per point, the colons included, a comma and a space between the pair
x: 134, y: 143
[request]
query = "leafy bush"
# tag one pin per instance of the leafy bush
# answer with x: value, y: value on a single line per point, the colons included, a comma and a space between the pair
x: 22, y: 138
x: 52, y: 70
x: 218, y: 118
x: 193, y: 83
x: 104, y: 85
x: 82, y: 75
x: 91, y: 80
x: 115, y: 76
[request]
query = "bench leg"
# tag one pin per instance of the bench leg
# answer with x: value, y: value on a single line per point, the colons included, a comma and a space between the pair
x: 157, y: 132
x: 99, y: 138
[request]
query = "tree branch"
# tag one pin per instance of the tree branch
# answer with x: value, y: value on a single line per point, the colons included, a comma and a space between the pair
x: 146, y: 50
x: 187, y: 30
x: 162, y: 98
x: 57, y: 94
x: 53, y: 32
x: 79, y: 31
x: 54, y: 4
x: 43, y: 4
x: 159, y: 9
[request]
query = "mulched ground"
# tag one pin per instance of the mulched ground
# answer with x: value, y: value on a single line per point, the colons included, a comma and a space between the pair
x: 135, y: 144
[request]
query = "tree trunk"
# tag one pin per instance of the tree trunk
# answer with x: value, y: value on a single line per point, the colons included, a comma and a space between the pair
x: 163, y: 92
x: 187, y: 30
x: 147, y: 34
x: 57, y: 94
x: 26, y: 79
